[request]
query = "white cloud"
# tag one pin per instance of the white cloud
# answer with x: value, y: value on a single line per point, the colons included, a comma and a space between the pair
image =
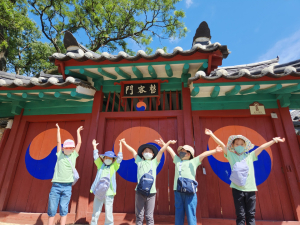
x: 288, y: 49
x: 188, y: 3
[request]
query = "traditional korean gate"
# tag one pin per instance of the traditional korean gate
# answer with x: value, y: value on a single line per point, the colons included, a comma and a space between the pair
x: 137, y: 132
x: 273, y: 197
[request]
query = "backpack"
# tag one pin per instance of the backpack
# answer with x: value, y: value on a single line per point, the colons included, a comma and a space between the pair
x: 102, y: 186
x: 145, y: 184
x: 239, y: 173
x: 186, y: 185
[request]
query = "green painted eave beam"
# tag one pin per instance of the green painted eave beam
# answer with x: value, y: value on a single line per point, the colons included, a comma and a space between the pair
x: 89, y: 74
x: 203, y: 66
x: 185, y: 69
x: 80, y: 96
x: 152, y: 72
x: 57, y: 104
x: 269, y: 90
x: 233, y: 91
x: 250, y: 90
x: 273, y: 82
x: 284, y: 100
x: 29, y: 97
x: 122, y: 73
x: 235, y: 98
x: 137, y: 72
x: 288, y: 89
x: 195, y: 91
x: 215, y: 92
x: 45, y: 96
x: 107, y: 74
x: 37, y: 90
x: 169, y: 70
x: 74, y: 74
x: 59, y: 95
x: 15, y: 97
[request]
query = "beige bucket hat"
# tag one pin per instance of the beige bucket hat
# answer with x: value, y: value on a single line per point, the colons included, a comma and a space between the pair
x: 187, y: 148
x: 248, y: 143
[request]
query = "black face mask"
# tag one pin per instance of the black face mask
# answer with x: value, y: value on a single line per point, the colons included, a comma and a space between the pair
x: 182, y: 154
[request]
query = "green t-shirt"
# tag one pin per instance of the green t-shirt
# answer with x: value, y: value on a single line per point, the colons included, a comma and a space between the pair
x: 63, y: 172
x: 188, y: 168
x: 250, y: 158
x: 143, y: 167
x: 113, y: 168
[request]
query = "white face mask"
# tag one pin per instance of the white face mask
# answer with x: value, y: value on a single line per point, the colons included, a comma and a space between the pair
x: 107, y: 162
x: 148, y: 155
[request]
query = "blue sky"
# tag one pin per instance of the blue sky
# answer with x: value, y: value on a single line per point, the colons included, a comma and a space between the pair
x: 253, y: 30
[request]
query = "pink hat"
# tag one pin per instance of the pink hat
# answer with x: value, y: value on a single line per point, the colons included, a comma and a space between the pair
x: 69, y: 144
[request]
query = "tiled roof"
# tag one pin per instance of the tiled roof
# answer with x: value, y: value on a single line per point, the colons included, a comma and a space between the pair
x: 269, y: 68
x: 45, y: 80
x: 78, y: 52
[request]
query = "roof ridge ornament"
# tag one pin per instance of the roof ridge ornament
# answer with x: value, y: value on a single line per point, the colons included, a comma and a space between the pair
x: 202, y: 35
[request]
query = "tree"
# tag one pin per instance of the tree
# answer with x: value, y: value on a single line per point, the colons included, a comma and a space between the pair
x: 110, y: 24
x: 19, y: 49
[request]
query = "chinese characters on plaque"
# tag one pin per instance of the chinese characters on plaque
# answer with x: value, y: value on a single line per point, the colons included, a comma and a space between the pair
x: 140, y: 90
x: 257, y: 109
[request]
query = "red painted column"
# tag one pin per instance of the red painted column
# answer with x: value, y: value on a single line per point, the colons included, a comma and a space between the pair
x: 88, y: 164
x: 282, y: 128
x: 187, y: 116
x: 6, y: 153
x: 5, y: 136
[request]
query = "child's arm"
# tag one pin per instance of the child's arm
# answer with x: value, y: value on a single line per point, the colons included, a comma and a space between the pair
x: 120, y: 154
x: 78, y: 139
x: 97, y: 160
x: 217, y: 140
x: 58, y: 139
x: 169, y: 149
x: 210, y: 152
x: 159, y: 154
x: 129, y: 148
x: 268, y: 144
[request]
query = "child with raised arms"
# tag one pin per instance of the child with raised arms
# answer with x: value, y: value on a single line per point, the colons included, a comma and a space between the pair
x: 63, y: 177
x: 185, y: 184
x: 242, y: 175
x: 104, y: 186
x: 147, y: 159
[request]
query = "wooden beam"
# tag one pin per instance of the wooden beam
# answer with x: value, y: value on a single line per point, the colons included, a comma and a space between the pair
x: 43, y: 96
x: 31, y: 97
x: 81, y: 96
x: 269, y: 90
x: 122, y: 73
x: 215, y: 92
x: 288, y: 89
x: 203, y: 66
x: 98, y: 82
x: 250, y: 90
x: 57, y: 104
x: 169, y: 70
x: 63, y: 96
x: 185, y: 69
x: 234, y: 90
x: 137, y: 72
x: 5, y: 98
x: 195, y: 91
x: 107, y: 74
x: 152, y: 72
x: 15, y: 97
x: 284, y: 100
x: 89, y: 74
x: 74, y: 74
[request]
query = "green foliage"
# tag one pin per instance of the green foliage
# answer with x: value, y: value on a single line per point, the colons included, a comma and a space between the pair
x: 19, y: 49
x: 110, y: 24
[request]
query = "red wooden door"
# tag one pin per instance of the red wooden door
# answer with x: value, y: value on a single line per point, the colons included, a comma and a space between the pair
x: 137, y: 132
x: 273, y: 200
x: 32, y: 181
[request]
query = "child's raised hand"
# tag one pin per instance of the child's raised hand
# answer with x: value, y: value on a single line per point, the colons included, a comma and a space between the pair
x: 278, y: 139
x: 95, y: 143
x: 208, y: 132
x: 160, y: 141
x: 219, y: 149
x: 123, y: 141
x: 172, y: 141
x: 57, y: 126
x: 80, y: 128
